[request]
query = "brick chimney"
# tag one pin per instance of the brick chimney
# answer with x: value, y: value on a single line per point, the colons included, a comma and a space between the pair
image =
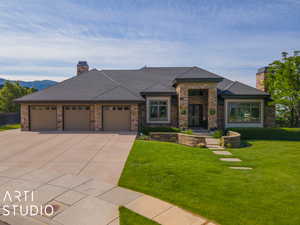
x: 260, y: 79
x: 82, y: 67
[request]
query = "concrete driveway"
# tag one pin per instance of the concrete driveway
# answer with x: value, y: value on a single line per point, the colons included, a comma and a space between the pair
x: 100, y: 155
x: 75, y: 172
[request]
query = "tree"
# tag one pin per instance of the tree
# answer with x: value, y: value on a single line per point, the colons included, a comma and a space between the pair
x: 9, y: 92
x: 283, y: 83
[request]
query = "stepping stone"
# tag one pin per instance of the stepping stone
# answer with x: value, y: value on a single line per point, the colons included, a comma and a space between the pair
x: 240, y: 168
x: 231, y: 159
x: 222, y: 153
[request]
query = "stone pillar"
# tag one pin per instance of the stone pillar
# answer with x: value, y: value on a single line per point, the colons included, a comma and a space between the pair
x: 98, y: 117
x: 212, y: 108
x: 24, y: 117
x: 269, y: 115
x: 59, y: 117
x: 183, y: 105
x: 92, y: 117
x: 134, y: 117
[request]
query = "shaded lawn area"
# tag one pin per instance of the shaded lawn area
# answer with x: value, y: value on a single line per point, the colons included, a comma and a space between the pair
x: 196, y: 180
x: 128, y: 217
x: 9, y: 127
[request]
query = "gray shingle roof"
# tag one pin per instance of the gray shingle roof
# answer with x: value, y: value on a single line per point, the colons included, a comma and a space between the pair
x: 128, y: 85
x: 239, y: 89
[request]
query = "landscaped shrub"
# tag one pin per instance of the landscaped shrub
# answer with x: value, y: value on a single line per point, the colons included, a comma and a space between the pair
x: 289, y: 134
x: 147, y: 130
x: 187, y: 132
x: 218, y: 134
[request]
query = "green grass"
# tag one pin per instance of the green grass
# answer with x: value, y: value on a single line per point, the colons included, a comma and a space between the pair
x: 9, y: 127
x: 196, y: 180
x: 290, y: 134
x: 127, y: 217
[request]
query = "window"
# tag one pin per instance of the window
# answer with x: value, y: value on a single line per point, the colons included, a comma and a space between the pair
x: 158, y: 110
x: 246, y: 112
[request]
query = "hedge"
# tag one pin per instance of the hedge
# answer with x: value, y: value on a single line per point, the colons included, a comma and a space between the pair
x: 147, y: 130
x: 289, y: 134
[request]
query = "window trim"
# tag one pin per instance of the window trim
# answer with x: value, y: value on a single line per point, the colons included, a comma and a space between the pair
x: 244, y: 124
x: 168, y: 99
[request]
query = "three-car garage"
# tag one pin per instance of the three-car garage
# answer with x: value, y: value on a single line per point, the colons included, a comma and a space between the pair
x: 79, y: 117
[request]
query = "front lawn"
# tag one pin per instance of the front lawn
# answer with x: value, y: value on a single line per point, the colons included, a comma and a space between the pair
x: 9, y: 127
x: 196, y: 180
x: 127, y: 217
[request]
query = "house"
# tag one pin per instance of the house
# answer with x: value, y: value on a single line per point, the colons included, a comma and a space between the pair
x: 185, y: 97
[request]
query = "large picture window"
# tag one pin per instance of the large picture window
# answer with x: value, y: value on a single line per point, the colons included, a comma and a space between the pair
x: 244, y: 112
x: 158, y: 110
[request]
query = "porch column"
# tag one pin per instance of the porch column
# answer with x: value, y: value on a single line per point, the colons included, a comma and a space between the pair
x: 59, y: 117
x: 183, y: 103
x: 212, y: 108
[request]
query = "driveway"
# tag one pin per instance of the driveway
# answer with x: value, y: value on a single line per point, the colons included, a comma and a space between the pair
x: 99, y: 155
x: 76, y: 173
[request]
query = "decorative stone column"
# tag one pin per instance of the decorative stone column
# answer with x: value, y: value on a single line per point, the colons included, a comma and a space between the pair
x: 183, y: 104
x: 212, y: 108
x: 59, y: 117
x: 134, y: 117
x: 98, y: 117
x: 92, y: 117
x: 24, y: 117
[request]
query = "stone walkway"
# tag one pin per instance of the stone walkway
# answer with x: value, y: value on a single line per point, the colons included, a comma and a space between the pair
x: 214, y: 144
x: 80, y: 200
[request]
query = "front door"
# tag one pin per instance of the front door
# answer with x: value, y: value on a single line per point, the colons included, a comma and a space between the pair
x: 195, y: 115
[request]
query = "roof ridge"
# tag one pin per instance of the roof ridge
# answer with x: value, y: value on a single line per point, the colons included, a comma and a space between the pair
x: 102, y: 93
x: 119, y: 84
x: 191, y: 68
x: 229, y: 85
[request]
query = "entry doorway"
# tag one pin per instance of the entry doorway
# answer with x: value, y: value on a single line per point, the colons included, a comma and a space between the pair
x: 195, y: 116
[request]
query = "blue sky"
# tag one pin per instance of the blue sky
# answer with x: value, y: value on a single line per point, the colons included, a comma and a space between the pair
x: 42, y: 39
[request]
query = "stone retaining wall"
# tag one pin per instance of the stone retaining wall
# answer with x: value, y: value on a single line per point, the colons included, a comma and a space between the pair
x: 232, y: 140
x: 164, y: 136
x: 184, y: 139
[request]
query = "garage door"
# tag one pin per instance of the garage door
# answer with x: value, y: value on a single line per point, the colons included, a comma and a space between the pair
x: 116, y: 117
x: 43, y: 117
x: 77, y: 117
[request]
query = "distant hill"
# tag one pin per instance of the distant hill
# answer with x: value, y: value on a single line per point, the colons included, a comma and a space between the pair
x: 37, y: 84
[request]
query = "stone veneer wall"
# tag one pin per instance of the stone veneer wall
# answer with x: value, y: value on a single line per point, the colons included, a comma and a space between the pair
x: 174, y: 115
x: 134, y: 114
x: 182, y: 91
x: 260, y: 81
x: 164, y: 136
x: 184, y: 139
x: 98, y: 117
x: 24, y: 117
x: 221, y: 114
x: 95, y: 116
x: 232, y: 140
x: 269, y: 115
x: 59, y: 117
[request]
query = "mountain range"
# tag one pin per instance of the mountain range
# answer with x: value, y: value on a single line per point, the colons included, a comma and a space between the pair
x: 37, y: 84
